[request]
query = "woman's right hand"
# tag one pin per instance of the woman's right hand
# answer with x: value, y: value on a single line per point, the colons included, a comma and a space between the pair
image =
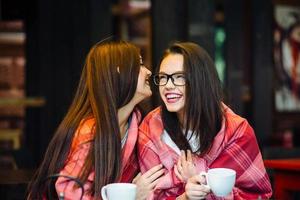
x: 147, y: 181
x: 185, y: 168
x: 196, y: 189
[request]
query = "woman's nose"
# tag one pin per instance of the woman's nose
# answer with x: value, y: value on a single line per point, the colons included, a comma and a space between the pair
x: 170, y: 83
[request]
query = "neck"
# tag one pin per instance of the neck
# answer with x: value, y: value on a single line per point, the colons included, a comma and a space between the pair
x: 123, y: 115
x: 125, y: 111
x: 180, y: 117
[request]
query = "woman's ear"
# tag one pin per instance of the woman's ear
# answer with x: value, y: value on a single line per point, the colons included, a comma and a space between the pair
x: 118, y: 69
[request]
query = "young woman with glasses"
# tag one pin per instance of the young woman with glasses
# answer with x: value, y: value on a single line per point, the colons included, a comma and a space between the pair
x: 96, y: 141
x: 194, y: 130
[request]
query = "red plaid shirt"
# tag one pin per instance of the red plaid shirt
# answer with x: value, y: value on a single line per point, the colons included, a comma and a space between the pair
x: 80, y: 147
x: 234, y: 147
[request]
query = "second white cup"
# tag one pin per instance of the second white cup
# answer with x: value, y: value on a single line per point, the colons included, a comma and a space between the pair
x: 220, y: 180
x: 118, y: 191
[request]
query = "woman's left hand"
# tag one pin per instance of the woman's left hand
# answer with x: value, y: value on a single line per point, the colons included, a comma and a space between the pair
x: 185, y: 168
x: 146, y: 182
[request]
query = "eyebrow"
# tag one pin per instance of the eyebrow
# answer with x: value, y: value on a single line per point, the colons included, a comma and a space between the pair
x: 177, y: 72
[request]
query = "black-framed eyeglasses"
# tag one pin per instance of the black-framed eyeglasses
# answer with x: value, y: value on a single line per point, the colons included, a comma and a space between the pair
x: 161, y: 79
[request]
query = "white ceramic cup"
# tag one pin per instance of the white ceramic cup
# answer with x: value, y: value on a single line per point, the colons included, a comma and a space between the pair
x: 118, y: 191
x: 220, y: 180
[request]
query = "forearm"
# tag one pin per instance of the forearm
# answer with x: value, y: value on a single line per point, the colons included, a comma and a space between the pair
x: 124, y: 113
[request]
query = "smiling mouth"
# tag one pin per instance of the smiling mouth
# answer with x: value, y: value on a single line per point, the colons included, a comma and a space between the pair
x: 148, y: 80
x: 173, y: 98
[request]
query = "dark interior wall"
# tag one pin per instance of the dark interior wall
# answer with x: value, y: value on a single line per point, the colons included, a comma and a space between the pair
x: 248, y: 26
x: 12, y: 9
x: 262, y: 68
x: 234, y: 11
x: 201, y: 24
x: 59, y: 34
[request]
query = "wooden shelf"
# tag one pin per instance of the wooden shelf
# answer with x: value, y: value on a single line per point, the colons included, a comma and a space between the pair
x: 132, y: 9
x: 13, y: 38
x: 134, y: 24
x: 11, y: 134
x: 23, y: 102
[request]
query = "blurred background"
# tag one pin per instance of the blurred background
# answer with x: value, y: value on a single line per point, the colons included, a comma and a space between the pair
x: 255, y: 45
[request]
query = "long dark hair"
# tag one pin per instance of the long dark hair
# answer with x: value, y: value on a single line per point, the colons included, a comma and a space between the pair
x: 203, y: 111
x: 108, y: 82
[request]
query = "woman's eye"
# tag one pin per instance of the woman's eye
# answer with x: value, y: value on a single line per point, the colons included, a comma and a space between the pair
x: 162, y: 77
x: 179, y: 76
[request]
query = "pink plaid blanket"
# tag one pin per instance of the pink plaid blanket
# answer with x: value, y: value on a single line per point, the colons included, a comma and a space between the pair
x: 234, y: 147
x: 80, y: 147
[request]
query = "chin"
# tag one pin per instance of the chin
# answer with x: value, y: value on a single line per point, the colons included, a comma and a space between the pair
x: 149, y: 93
x: 173, y: 108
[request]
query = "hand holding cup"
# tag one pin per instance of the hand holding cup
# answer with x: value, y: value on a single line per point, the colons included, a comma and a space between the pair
x: 220, y: 180
x: 117, y: 191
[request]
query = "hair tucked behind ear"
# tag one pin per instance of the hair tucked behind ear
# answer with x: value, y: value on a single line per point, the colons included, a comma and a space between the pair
x: 98, y: 95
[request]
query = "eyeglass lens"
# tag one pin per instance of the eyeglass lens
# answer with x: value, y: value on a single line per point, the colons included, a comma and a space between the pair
x: 177, y: 79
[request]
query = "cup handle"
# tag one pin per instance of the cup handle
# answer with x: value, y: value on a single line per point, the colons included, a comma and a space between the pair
x: 205, y: 175
x: 103, y: 193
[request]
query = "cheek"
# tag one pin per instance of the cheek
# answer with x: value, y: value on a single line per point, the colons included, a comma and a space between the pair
x: 160, y: 91
x: 139, y: 84
x: 183, y: 92
x: 141, y: 77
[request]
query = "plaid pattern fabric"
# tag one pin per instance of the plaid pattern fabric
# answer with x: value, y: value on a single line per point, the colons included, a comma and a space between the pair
x: 80, y: 147
x: 234, y: 147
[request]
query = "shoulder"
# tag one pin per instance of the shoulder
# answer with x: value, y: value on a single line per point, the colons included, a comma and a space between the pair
x: 235, y: 125
x: 136, y: 115
x: 85, y: 132
x: 153, y: 118
x: 151, y: 126
x: 154, y: 114
x: 233, y: 120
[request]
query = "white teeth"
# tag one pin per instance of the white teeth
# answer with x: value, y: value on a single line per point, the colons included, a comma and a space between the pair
x: 172, y: 96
